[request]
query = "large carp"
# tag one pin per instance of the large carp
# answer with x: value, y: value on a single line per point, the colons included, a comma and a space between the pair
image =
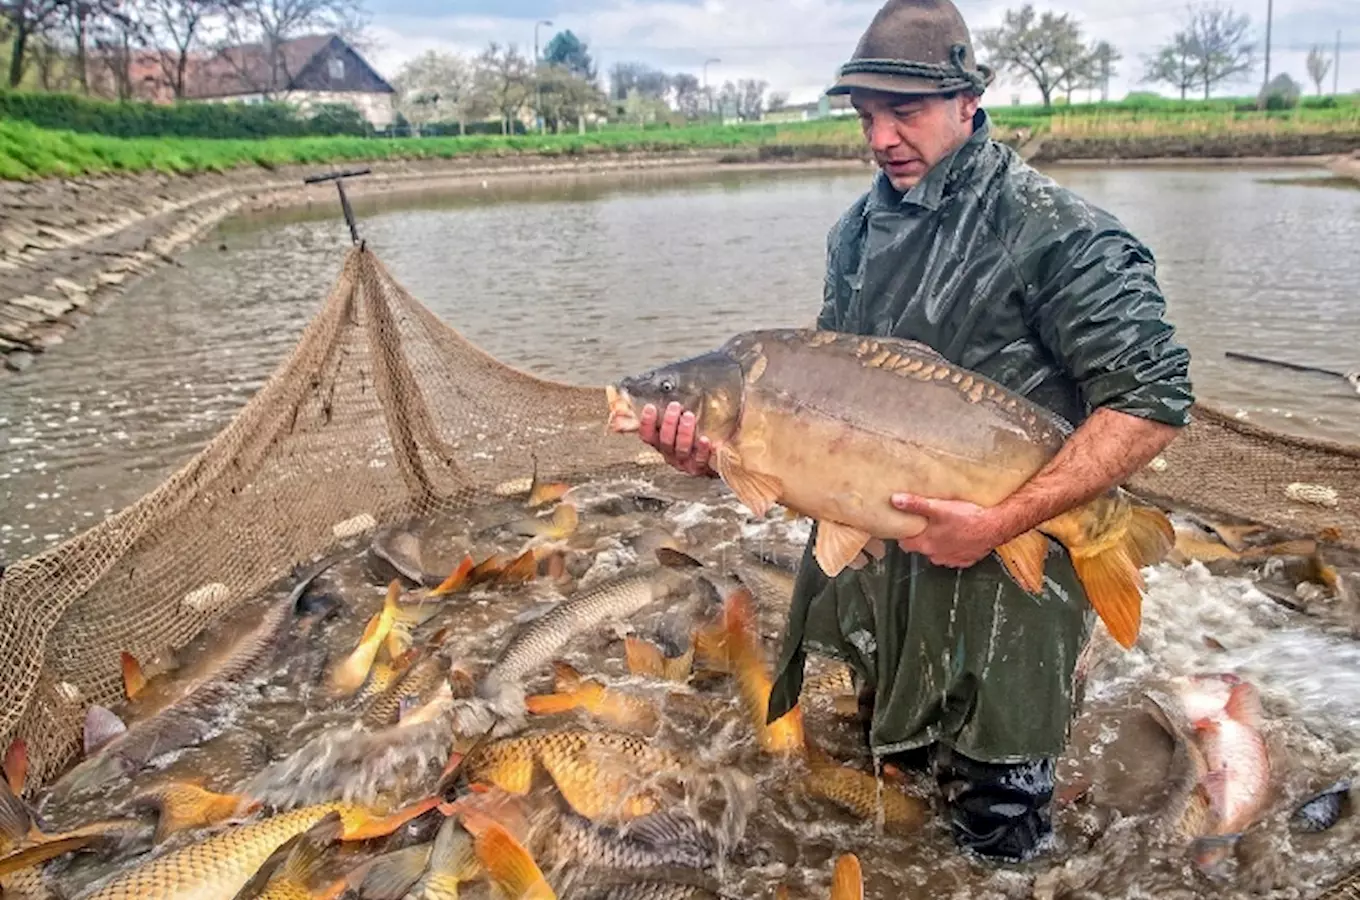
x: 830, y: 425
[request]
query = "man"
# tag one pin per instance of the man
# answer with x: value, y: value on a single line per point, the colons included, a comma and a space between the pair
x: 962, y: 246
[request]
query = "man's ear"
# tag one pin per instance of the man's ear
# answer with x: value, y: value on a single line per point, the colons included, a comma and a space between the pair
x: 968, y: 106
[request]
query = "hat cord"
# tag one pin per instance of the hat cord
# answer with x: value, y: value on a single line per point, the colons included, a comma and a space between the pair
x: 951, y: 76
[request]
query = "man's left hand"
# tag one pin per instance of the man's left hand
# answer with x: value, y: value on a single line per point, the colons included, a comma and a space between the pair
x: 957, y: 533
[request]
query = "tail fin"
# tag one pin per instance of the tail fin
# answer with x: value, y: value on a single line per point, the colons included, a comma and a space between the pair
x: 457, y: 578
x: 1115, y: 588
x: 16, y: 766
x: 391, y: 876
x: 510, y: 867
x: 847, y: 882
x: 1151, y: 536
x: 524, y: 568
x: 133, y: 679
x: 308, y: 855
x: 644, y: 657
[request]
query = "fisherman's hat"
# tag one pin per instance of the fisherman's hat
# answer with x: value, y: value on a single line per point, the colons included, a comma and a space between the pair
x: 915, y: 47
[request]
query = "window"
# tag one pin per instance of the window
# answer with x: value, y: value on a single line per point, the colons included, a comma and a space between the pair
x: 337, y: 69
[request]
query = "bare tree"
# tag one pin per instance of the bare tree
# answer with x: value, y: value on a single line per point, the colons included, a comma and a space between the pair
x: 117, y: 34
x: 1174, y: 64
x: 176, y: 28
x: 271, y: 24
x: 750, y: 99
x: 27, y: 19
x: 627, y: 77
x: 1318, y: 67
x: 686, y: 95
x: 1047, y: 49
x: 778, y: 100
x: 435, y: 87
x: 502, y: 78
x: 1220, y: 45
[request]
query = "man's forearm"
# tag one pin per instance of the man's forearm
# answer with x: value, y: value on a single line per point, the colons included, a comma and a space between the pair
x: 1107, y: 448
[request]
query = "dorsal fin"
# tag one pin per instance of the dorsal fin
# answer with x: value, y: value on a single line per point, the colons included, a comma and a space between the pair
x: 134, y: 681
x: 102, y: 725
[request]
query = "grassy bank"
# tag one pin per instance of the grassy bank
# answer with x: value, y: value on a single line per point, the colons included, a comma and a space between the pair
x: 28, y: 152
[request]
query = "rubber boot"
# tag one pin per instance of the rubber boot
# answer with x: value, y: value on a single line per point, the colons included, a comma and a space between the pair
x: 997, y: 811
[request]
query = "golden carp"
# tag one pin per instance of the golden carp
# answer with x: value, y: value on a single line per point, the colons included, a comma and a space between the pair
x: 600, y: 774
x: 616, y: 707
x: 847, y: 881
x: 288, y: 872
x: 217, y: 867
x: 182, y: 805
x: 510, y: 867
x: 390, y: 627
x: 861, y: 793
x: 830, y: 425
x: 414, y: 685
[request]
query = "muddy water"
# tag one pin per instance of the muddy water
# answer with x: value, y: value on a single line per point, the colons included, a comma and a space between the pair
x: 288, y: 741
x: 582, y: 279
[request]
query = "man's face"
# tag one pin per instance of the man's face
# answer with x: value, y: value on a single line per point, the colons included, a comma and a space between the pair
x: 910, y: 134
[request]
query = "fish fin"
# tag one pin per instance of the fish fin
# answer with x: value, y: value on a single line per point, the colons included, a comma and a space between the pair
x: 392, y: 875
x: 847, y: 881
x: 552, y: 704
x: 309, y: 854
x: 14, y: 818
x: 457, y: 578
x: 1023, y: 558
x: 565, y: 520
x: 757, y: 491
x: 711, y: 648
x: 679, y: 667
x: 1114, y: 587
x: 837, y: 546
x: 523, y: 569
x: 134, y: 682
x: 453, y: 853
x: 182, y: 806
x: 644, y: 657
x: 1150, y: 536
x: 41, y: 853
x: 16, y: 766
x: 781, y: 892
x: 510, y: 867
x: 1244, y: 706
x: 541, y: 492
x: 486, y: 570
x: 1234, y: 535
x: 381, y: 826
x: 102, y: 725
x: 565, y: 676
x: 676, y: 559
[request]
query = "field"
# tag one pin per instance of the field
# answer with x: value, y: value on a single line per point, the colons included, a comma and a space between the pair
x: 28, y: 152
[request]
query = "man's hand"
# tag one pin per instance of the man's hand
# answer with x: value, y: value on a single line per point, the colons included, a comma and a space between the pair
x: 958, y: 534
x: 674, y: 438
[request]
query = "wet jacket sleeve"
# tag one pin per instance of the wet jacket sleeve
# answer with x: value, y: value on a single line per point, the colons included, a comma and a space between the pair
x: 1098, y: 309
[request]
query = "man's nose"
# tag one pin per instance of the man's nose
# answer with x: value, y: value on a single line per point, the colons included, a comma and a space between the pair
x: 882, y: 134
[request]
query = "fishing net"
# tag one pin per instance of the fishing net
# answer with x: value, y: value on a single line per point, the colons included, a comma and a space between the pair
x: 381, y: 413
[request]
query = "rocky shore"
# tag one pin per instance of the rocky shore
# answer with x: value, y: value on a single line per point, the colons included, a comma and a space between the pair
x: 68, y: 247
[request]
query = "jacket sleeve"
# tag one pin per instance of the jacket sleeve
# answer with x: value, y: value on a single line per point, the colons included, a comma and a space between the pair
x: 1099, y: 311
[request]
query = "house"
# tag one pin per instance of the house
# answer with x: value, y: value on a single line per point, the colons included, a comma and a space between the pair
x: 305, y: 72
x: 823, y: 107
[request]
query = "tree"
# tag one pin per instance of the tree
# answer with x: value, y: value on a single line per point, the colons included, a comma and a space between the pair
x: 778, y: 100
x: 750, y: 95
x: 1282, y: 92
x: 272, y: 24
x: 566, y: 96
x: 1318, y: 67
x: 1103, y: 58
x: 1047, y: 49
x: 502, y: 80
x: 687, y: 95
x: 1174, y: 64
x: 1219, y: 44
x: 27, y: 19
x: 176, y: 27
x: 631, y: 76
x: 435, y: 87
x: 117, y: 34
x: 569, y: 52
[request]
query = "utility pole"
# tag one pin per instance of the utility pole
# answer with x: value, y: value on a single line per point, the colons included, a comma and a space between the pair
x: 1336, y: 66
x: 538, y: 93
x: 1270, y: 14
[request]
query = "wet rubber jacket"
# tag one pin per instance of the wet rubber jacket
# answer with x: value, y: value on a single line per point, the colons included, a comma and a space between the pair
x: 1006, y: 273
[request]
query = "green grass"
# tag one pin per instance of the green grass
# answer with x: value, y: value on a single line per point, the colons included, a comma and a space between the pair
x: 28, y: 152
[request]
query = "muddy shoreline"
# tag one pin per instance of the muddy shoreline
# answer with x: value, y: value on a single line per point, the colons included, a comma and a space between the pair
x: 69, y: 247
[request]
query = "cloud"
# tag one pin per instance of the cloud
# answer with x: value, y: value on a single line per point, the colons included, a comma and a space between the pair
x: 796, y: 45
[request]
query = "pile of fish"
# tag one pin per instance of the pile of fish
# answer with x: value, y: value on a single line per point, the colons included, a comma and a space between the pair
x: 565, y: 694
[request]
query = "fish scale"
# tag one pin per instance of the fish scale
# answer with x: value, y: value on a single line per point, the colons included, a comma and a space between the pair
x: 218, y: 867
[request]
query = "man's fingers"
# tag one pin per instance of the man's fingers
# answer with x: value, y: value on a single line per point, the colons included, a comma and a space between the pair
x: 670, y: 422
x: 647, y: 425
x: 703, y: 449
x: 684, y: 434
x: 910, y: 503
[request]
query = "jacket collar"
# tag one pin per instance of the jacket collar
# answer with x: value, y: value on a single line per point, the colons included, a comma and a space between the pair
x: 945, y: 178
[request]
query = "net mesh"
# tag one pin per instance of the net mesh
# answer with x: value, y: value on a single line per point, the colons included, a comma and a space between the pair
x: 383, y: 412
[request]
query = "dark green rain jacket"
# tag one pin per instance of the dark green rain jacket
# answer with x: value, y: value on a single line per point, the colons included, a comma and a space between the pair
x: 1006, y: 273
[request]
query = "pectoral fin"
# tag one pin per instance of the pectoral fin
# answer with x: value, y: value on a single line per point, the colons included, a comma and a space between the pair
x: 837, y: 546
x: 757, y: 491
x: 1024, y: 560
x: 133, y: 679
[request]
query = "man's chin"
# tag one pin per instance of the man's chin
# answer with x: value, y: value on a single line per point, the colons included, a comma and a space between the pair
x: 903, y: 181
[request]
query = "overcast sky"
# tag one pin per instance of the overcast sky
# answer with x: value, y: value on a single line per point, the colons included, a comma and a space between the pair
x: 796, y: 45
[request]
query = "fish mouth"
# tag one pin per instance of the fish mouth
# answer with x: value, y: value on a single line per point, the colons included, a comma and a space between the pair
x: 623, y: 416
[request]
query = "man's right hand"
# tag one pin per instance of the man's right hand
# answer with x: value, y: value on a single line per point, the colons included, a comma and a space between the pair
x: 673, y: 437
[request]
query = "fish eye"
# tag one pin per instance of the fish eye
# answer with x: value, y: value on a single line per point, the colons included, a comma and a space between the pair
x: 667, y: 385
